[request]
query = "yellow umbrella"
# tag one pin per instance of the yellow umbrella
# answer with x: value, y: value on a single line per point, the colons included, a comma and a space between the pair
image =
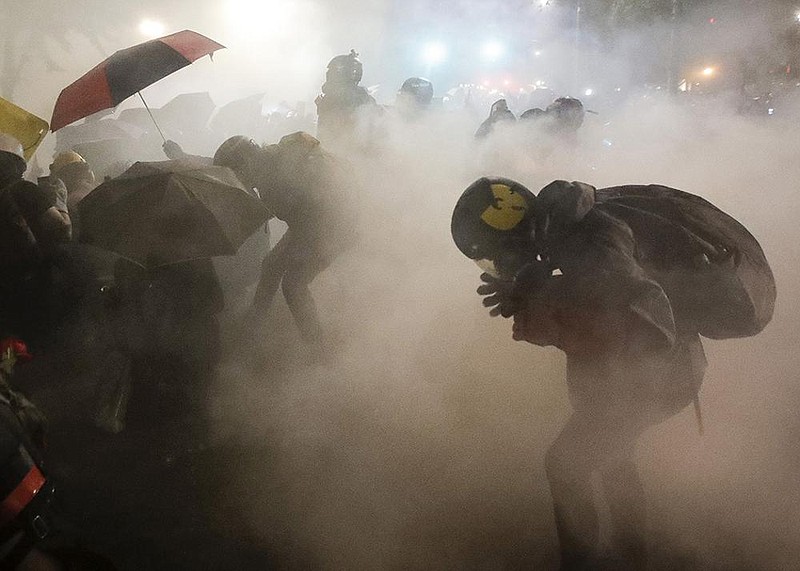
x: 27, y: 128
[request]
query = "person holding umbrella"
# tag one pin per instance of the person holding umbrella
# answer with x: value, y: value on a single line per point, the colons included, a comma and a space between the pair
x: 166, y: 220
x: 310, y: 190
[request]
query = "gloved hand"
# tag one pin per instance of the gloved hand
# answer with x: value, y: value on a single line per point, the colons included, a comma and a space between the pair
x: 503, y: 298
x: 507, y: 297
x: 532, y: 276
x: 173, y: 150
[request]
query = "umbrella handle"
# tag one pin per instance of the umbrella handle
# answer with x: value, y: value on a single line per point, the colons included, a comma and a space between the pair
x: 160, y: 132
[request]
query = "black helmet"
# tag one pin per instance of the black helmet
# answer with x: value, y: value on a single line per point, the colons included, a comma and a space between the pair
x: 345, y: 69
x: 12, y: 158
x: 234, y: 151
x: 568, y: 112
x: 418, y: 89
x: 533, y: 114
x: 493, y: 220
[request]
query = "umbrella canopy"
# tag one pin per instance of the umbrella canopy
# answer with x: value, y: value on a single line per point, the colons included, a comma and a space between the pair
x: 95, y: 130
x: 239, y: 116
x: 126, y: 72
x: 25, y: 127
x: 165, y: 212
x: 187, y: 111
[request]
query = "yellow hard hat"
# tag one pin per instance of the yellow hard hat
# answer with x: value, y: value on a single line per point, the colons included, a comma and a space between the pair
x: 64, y: 159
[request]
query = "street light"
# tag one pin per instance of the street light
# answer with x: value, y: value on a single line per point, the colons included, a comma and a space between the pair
x: 708, y: 72
x: 492, y: 50
x: 434, y: 53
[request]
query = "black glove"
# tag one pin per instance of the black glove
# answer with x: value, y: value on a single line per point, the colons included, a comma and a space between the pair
x: 531, y: 277
x: 173, y: 150
x: 503, y: 297
x: 507, y: 297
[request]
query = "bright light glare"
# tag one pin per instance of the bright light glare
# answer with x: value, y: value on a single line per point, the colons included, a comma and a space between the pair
x: 434, y: 52
x: 589, y: 92
x: 492, y: 51
x: 537, y: 53
x: 708, y: 72
x: 797, y: 16
x: 151, y: 28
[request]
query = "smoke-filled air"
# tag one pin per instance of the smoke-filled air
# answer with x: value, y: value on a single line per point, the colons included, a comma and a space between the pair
x: 238, y: 312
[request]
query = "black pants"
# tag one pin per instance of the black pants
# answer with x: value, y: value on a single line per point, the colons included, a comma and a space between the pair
x: 601, y: 443
x: 293, y: 267
x: 615, y: 401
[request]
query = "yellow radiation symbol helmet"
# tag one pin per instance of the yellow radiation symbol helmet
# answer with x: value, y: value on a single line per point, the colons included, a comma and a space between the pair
x: 508, y: 209
x: 492, y: 215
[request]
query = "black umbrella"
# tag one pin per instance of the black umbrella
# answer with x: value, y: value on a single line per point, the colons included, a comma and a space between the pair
x: 187, y: 111
x: 164, y: 212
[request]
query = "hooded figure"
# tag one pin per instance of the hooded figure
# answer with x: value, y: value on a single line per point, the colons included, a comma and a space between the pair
x: 342, y: 98
x: 498, y: 113
x: 311, y: 191
x: 414, y: 98
x: 587, y: 271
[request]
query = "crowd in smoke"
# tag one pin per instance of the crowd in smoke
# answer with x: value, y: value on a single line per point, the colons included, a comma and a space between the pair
x: 420, y: 442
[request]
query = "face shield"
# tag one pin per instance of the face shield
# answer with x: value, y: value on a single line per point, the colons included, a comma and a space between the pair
x: 505, y: 263
x: 489, y: 267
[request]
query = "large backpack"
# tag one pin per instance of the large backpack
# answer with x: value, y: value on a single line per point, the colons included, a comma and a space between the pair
x: 712, y: 269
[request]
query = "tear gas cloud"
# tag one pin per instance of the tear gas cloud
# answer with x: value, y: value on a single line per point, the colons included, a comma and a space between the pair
x: 421, y: 444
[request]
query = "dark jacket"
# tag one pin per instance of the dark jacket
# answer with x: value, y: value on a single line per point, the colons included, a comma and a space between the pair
x: 625, y: 351
x: 309, y: 189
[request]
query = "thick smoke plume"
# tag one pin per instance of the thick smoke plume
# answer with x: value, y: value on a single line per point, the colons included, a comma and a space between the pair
x: 420, y: 443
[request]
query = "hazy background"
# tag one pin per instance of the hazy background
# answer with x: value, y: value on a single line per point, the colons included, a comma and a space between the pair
x: 421, y: 444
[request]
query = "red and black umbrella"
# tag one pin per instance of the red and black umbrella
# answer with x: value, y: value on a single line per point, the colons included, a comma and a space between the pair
x: 126, y: 72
